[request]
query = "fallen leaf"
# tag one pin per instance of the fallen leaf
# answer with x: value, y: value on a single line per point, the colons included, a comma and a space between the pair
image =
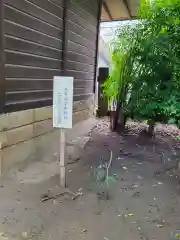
x: 129, y: 215
x: 159, y: 225
x: 125, y: 168
x: 83, y: 230
x: 160, y: 183
x: 24, y: 234
x: 170, y: 175
x: 78, y: 194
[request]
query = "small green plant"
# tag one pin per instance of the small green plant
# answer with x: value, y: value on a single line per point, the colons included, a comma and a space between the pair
x: 108, y: 179
x: 177, y: 137
x: 103, y: 179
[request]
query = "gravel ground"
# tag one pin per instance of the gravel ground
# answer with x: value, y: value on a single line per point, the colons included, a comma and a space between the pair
x: 144, y: 192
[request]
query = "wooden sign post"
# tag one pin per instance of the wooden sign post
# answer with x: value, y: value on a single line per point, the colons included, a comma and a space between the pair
x: 62, y: 116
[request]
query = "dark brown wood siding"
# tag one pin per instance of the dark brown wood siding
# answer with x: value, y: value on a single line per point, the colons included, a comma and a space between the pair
x: 2, y: 60
x: 82, y: 35
x: 33, y: 51
x: 32, y: 47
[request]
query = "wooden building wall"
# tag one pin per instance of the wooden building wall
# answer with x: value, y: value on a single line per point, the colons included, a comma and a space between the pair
x: 43, y: 38
x: 82, y: 36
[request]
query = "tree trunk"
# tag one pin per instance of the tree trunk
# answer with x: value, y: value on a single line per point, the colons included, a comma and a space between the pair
x: 118, y: 119
x: 151, y: 126
x: 114, y: 115
x: 122, y: 120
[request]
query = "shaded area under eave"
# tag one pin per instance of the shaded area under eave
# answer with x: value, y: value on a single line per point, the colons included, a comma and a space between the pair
x: 117, y: 10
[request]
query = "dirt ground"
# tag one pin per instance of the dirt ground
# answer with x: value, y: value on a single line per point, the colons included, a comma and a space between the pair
x: 144, y: 192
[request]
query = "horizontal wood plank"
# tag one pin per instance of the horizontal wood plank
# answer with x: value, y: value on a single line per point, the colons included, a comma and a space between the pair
x: 13, y: 71
x: 90, y: 5
x: 18, y: 17
x: 80, y: 9
x: 82, y: 31
x: 82, y: 91
x: 31, y: 60
x: 27, y: 95
x: 83, y: 83
x: 81, y: 22
x: 49, y: 6
x: 32, y: 35
x: 35, y: 11
x: 15, y: 84
x: 77, y: 48
x: 76, y: 66
x: 75, y: 57
x: 18, y: 44
x: 80, y: 75
x: 59, y: 3
x: 23, y: 105
x: 80, y: 39
x: 82, y: 97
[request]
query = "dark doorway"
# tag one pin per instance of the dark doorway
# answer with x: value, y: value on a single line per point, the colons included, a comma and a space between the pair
x: 103, y: 73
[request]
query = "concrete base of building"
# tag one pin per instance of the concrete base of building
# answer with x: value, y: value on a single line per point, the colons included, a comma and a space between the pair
x: 29, y: 135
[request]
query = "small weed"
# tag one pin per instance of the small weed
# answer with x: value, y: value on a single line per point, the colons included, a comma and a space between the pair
x: 177, y: 137
x: 103, y: 179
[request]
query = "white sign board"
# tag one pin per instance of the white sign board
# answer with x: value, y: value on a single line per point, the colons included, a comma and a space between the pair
x: 62, y: 102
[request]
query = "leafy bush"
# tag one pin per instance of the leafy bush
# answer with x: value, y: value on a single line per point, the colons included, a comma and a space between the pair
x: 145, y: 75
